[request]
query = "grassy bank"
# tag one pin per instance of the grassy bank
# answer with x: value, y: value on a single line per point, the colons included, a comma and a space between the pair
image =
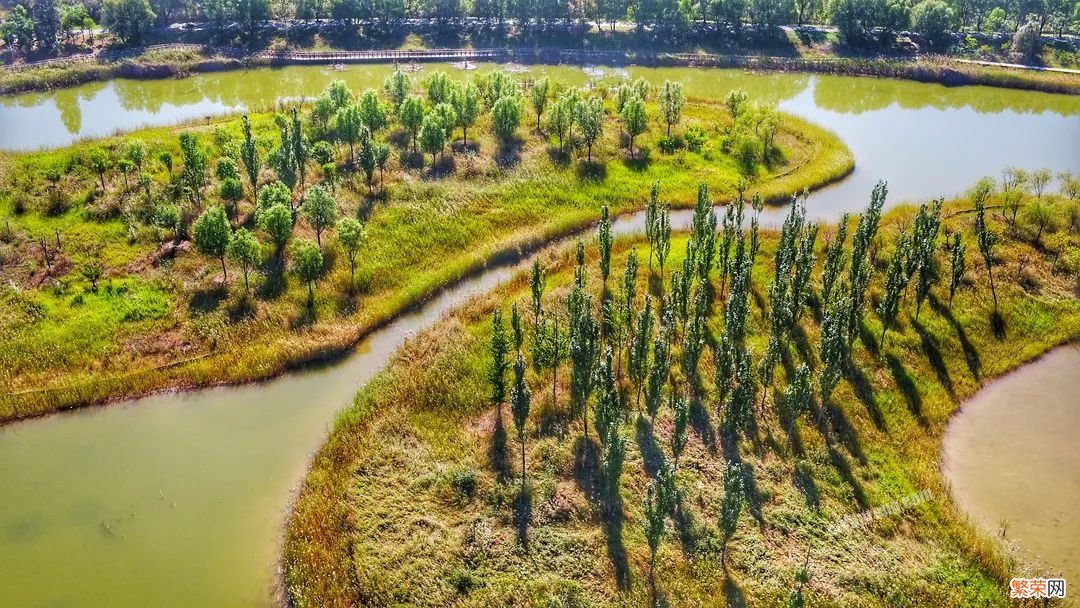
x: 160, y: 317
x: 414, y: 499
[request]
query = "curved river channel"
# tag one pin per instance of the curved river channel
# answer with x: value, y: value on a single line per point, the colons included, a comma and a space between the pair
x: 177, y: 499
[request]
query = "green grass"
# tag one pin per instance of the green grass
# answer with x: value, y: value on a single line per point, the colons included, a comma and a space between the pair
x: 426, y: 228
x: 386, y: 515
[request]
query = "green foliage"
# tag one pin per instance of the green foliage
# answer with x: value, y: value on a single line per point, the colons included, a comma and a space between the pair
x: 671, y: 103
x: 466, y: 103
x: 732, y: 505
x: 538, y: 98
x: 432, y: 136
x: 249, y: 154
x: 635, y: 120
x: 958, y: 262
x: 520, y: 398
x: 932, y: 19
x: 351, y: 235
x: 245, y: 249
x: 129, y: 20
x: 604, y: 239
x: 372, y: 114
x: 412, y: 117
x: 320, y: 211
x: 212, y: 233
x: 591, y: 121
x: 307, y: 260
x: 17, y: 28
x: 196, y: 162
x: 639, y: 356
x: 499, y: 349
x: 397, y: 87
x: 277, y: 221
x: 506, y: 116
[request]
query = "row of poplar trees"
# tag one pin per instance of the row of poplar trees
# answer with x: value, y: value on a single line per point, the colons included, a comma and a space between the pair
x: 644, y: 331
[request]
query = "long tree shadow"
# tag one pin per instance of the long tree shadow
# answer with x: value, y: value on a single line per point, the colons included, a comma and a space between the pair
x: 907, y: 387
x: 609, y: 509
x: 971, y: 354
x: 805, y: 484
x: 652, y: 457
x: 685, y: 526
x: 802, y: 344
x: 869, y: 341
x: 840, y: 428
x: 932, y: 351
x: 702, y: 424
x: 730, y: 445
x: 207, y: 300
x: 865, y: 392
x: 733, y: 594
x: 498, y: 456
x: 844, y: 468
x: 523, y: 515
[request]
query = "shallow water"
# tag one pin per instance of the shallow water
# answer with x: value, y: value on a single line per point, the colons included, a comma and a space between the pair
x: 1011, y: 455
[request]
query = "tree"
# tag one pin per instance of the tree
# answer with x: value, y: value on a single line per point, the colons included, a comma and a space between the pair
x: 506, y: 117
x: 372, y: 114
x: 520, y: 396
x: 662, y: 234
x: 438, y: 88
x: 634, y: 120
x: 835, y: 259
x: 46, y: 22
x: 605, y: 241
x: 100, y: 162
x: 466, y: 103
x: 736, y: 101
x: 397, y: 86
x: 412, y: 117
x: 987, y: 239
x: 1027, y: 41
x: 1039, y: 179
x: 655, y: 506
x: 732, y: 505
x: 853, y: 18
x: 895, y: 282
x: 320, y: 210
x: 932, y: 19
x: 639, y: 356
x: 584, y: 349
x: 128, y: 19
x: 1040, y: 215
x: 671, y: 103
x: 249, y: 154
x: 798, y: 397
x: 244, y: 249
x: 349, y: 125
x: 212, y: 233
x: 92, y: 272
x: 497, y: 370
x: 276, y: 220
x: 536, y: 287
x: 308, y: 265
x: 680, y: 436
x: 17, y: 29
x: 196, y: 163
x: 591, y: 120
x: 559, y: 121
x: 351, y: 235
x: 432, y: 136
x: 538, y: 98
x: 957, y: 266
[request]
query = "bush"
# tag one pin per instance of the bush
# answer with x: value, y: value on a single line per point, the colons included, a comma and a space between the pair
x: 668, y: 144
x: 696, y: 137
x: 1026, y: 42
x: 932, y: 19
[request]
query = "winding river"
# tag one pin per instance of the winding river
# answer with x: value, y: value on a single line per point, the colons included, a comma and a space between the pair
x: 176, y: 499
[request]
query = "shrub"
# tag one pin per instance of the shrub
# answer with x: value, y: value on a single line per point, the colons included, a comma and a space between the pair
x: 696, y: 137
x: 932, y: 19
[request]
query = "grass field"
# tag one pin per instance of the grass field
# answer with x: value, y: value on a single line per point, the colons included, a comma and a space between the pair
x: 415, y: 498
x: 426, y: 226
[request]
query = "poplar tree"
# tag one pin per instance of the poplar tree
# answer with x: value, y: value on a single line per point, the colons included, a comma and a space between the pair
x: 652, y: 212
x: 987, y: 240
x: 927, y: 227
x: 605, y: 241
x: 351, y: 235
x: 614, y: 456
x: 662, y: 234
x: 538, y: 97
x: 767, y: 367
x: 607, y: 396
x: 895, y: 280
x: 584, y: 349
x: 835, y: 260
x: 308, y: 265
x: 300, y: 150
x: 196, y: 163
x: 212, y: 233
x: 804, y: 267
x: 245, y: 249
x: 957, y: 266
x: 741, y: 402
x: 658, y: 372
x: 592, y: 124
x: 798, y: 397
x: 579, y: 270
x: 281, y: 158
x: 497, y: 369
x: 320, y: 210
x: 732, y: 505
x: 639, y: 350
x: 862, y: 268
x: 660, y: 497
x: 629, y: 286
x: 249, y: 154
x: 635, y: 120
x: 515, y: 327
x: 671, y: 103
x: 833, y: 347
x: 680, y: 436
x: 536, y: 286
x: 397, y: 87
x: 694, y: 341
x: 520, y: 398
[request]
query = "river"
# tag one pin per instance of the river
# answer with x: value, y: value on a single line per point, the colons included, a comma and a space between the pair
x: 177, y: 499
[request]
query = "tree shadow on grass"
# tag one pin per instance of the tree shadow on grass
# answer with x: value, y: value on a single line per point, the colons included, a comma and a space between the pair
x: 523, y: 515
x: 730, y: 445
x: 840, y: 428
x: 609, y: 509
x: 865, y: 392
x: 932, y: 351
x: 652, y: 457
x: 907, y: 387
x: 273, y: 283
x: 702, y: 424
x: 509, y: 154
x: 685, y: 527
x: 498, y: 456
x: 594, y: 171
x: 802, y: 345
x: 207, y: 300
x: 804, y: 482
x: 997, y: 324
x: 869, y: 341
x: 733, y: 593
x: 971, y: 354
x: 844, y: 469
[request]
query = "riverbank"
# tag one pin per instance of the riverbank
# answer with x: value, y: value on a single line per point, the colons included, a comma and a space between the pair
x: 175, y: 61
x: 413, y: 499
x: 426, y: 229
